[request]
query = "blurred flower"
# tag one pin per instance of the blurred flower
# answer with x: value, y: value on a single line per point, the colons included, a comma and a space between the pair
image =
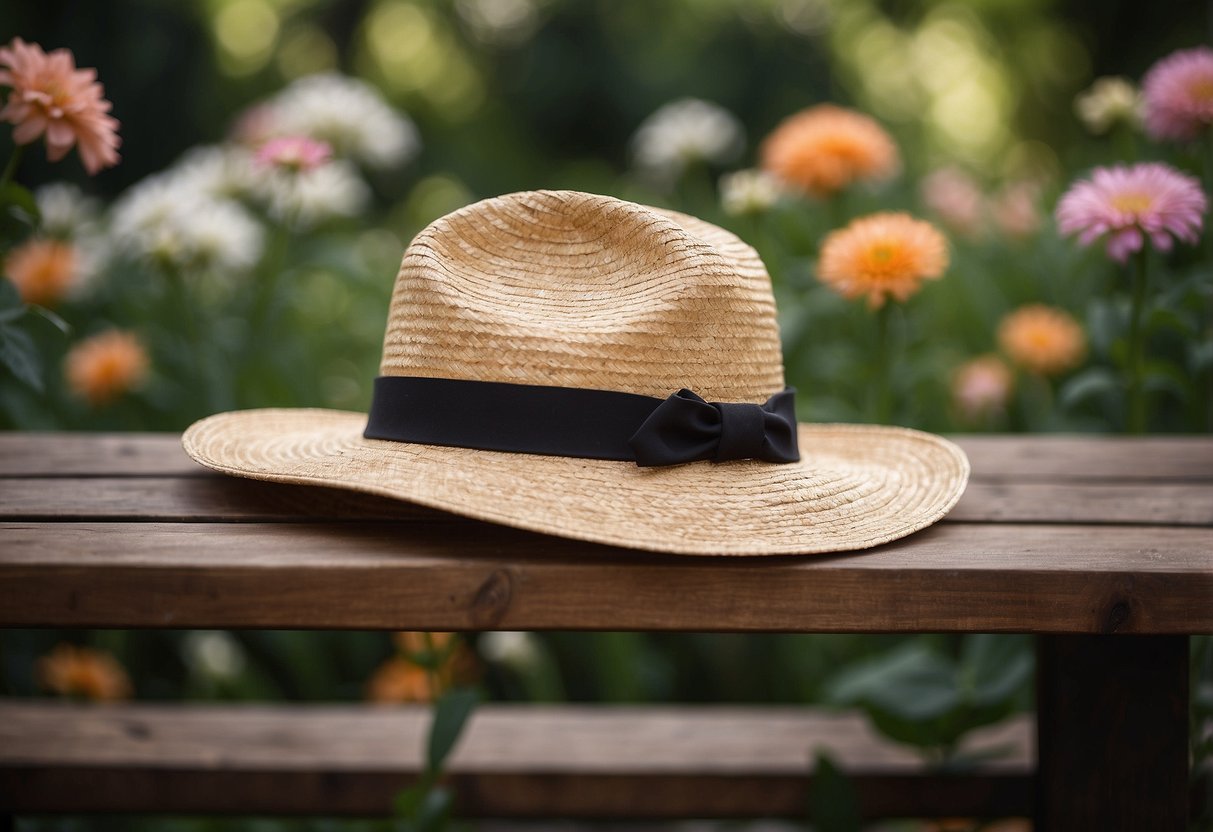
x: 1107, y: 102
x: 748, y: 192
x: 102, y: 368
x: 1178, y: 92
x: 1015, y: 209
x: 213, y: 653
x: 1129, y: 203
x: 883, y: 255
x: 515, y: 649
x: 49, y: 95
x: 42, y: 270
x: 348, y: 114
x: 826, y: 148
x: 499, y: 22
x: 294, y: 153
x: 308, y: 197
x: 83, y: 671
x: 165, y: 218
x: 412, y: 642
x: 683, y: 132
x: 1042, y: 339
x: 216, y: 171
x: 399, y: 680
x: 65, y: 212
x: 981, y: 386
x: 954, y: 197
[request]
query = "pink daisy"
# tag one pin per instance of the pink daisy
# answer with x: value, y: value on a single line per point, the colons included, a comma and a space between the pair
x: 1178, y: 93
x: 298, y: 153
x: 1129, y: 203
x: 49, y: 95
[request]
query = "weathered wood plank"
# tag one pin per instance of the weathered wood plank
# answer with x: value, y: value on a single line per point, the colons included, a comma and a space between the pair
x: 1113, y: 733
x: 955, y: 577
x: 218, y: 498
x: 1050, y: 457
x: 514, y: 761
x: 24, y: 454
x: 1079, y: 457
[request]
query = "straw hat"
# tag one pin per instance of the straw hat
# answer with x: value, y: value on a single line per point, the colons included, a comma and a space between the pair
x: 533, y: 303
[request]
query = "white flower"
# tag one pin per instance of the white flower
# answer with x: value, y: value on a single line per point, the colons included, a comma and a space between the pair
x: 217, y: 171
x: 1108, y: 101
x: 686, y: 131
x: 308, y: 197
x: 748, y: 192
x: 66, y: 212
x: 499, y: 22
x: 515, y: 649
x: 166, y: 218
x: 347, y: 113
x: 213, y: 653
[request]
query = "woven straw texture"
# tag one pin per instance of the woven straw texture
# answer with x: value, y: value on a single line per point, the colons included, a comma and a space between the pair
x: 568, y: 289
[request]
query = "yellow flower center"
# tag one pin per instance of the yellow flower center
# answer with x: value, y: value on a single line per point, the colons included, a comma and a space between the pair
x: 1201, y: 89
x: 1132, y: 203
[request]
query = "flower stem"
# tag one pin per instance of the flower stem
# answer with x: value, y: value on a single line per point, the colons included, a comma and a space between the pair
x: 1136, y: 356
x: 11, y: 168
x: 882, y: 382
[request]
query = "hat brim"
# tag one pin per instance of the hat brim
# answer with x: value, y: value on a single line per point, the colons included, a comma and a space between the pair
x: 856, y: 486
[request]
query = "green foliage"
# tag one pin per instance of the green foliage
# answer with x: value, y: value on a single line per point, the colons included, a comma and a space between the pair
x: 833, y: 801
x: 920, y: 695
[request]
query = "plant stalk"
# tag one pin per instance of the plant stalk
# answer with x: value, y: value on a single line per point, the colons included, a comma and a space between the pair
x: 1136, y: 422
x: 11, y: 168
x: 882, y: 411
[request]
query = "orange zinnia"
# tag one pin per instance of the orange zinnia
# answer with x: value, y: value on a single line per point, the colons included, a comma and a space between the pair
x: 49, y: 95
x: 42, y: 270
x: 103, y: 367
x: 825, y: 148
x: 82, y: 671
x: 399, y: 680
x: 881, y: 256
x: 1042, y: 339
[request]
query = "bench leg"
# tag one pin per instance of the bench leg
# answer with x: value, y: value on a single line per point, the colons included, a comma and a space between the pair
x: 1112, y: 733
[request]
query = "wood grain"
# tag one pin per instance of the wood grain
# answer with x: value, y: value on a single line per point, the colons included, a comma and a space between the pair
x: 950, y: 578
x: 1037, y: 457
x: 212, y: 497
x: 514, y: 761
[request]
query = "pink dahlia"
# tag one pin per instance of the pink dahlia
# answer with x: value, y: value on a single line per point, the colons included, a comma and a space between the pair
x: 1178, y: 93
x: 1129, y: 203
x: 298, y: 153
x: 49, y: 95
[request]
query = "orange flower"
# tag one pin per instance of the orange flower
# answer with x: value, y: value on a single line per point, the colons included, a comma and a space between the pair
x: 412, y: 642
x: 980, y: 387
x: 43, y: 270
x: 825, y: 148
x: 82, y: 671
x: 399, y: 680
x: 1042, y: 339
x: 103, y: 367
x: 49, y: 95
x: 883, y: 255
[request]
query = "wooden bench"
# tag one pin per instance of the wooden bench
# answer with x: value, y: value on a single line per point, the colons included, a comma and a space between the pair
x: 1101, y: 547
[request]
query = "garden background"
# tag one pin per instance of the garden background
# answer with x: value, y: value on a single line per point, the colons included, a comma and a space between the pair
x: 233, y: 284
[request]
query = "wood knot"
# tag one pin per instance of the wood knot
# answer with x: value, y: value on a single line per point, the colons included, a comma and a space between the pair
x: 492, y: 600
x: 1117, y: 615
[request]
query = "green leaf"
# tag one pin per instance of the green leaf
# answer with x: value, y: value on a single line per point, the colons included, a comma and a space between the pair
x: 833, y: 801
x: 910, y: 683
x: 1092, y: 383
x: 52, y: 318
x: 18, y: 212
x: 450, y: 714
x: 20, y: 356
x: 995, y: 667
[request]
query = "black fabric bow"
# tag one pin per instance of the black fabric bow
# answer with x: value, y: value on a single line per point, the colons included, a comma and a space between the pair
x: 685, y: 428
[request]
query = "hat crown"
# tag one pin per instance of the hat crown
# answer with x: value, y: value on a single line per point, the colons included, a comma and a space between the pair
x: 562, y: 288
